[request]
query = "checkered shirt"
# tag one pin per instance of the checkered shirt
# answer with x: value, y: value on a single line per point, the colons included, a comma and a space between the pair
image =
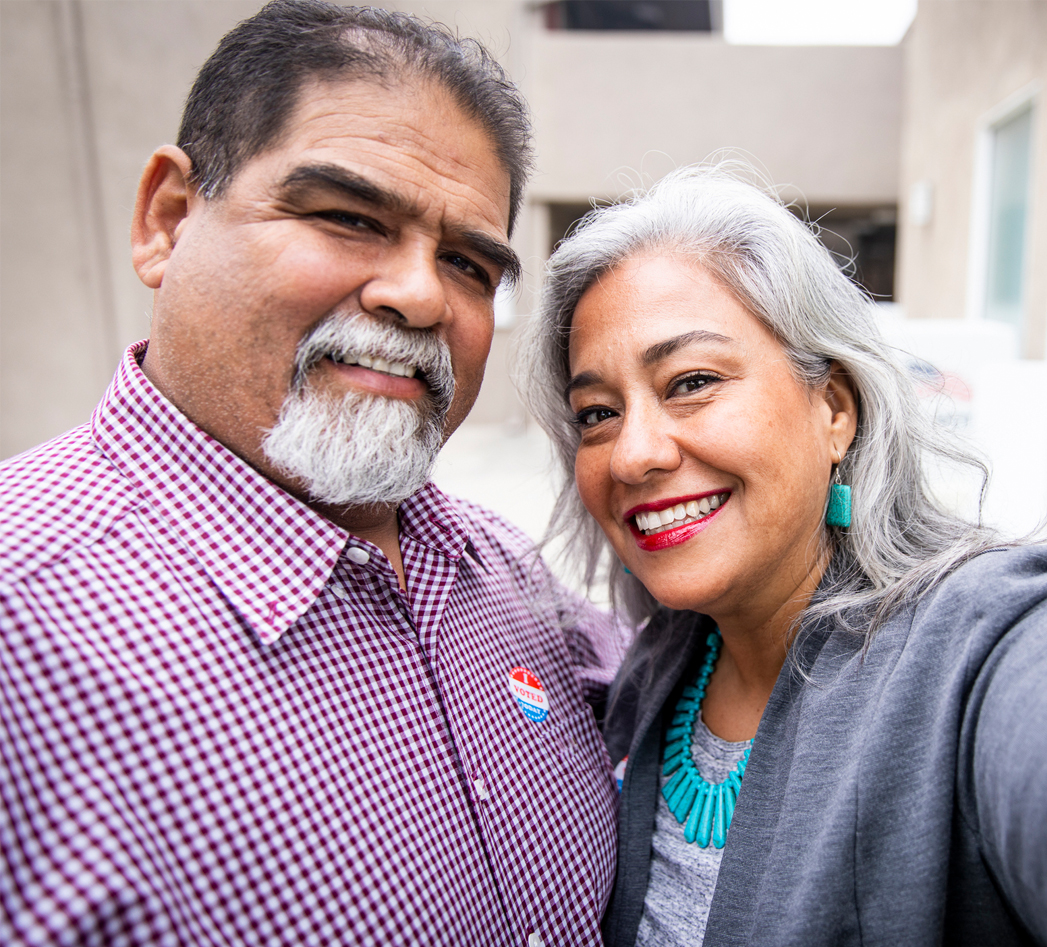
x: 223, y: 723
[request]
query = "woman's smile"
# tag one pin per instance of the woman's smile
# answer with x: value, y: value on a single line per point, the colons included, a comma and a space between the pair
x: 669, y: 522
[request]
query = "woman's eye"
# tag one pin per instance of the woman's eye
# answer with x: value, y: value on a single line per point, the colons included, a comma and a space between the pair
x: 588, y: 417
x: 689, y: 384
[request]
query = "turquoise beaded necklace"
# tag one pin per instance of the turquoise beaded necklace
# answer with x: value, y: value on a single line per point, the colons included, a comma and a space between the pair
x: 704, y: 809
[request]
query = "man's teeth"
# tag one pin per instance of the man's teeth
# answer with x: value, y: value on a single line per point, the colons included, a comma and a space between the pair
x: 657, y: 521
x: 379, y: 365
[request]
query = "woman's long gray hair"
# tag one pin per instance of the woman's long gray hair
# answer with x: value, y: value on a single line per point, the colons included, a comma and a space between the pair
x: 901, y: 540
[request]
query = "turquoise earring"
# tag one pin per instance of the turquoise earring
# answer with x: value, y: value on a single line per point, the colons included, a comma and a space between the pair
x: 838, y: 512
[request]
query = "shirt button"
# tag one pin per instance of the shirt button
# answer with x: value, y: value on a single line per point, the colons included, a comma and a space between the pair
x: 534, y: 939
x: 481, y: 788
x: 360, y: 556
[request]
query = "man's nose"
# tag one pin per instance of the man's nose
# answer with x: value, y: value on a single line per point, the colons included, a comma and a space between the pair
x: 644, y: 446
x: 407, y: 285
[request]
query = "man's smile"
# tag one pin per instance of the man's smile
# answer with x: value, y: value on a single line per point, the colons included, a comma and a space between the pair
x: 381, y: 377
x: 377, y: 364
x: 377, y: 358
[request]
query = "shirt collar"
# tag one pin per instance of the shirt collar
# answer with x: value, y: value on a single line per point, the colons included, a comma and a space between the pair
x: 430, y: 517
x: 268, y: 552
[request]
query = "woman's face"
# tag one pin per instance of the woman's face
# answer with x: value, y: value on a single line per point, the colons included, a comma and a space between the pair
x: 702, y: 457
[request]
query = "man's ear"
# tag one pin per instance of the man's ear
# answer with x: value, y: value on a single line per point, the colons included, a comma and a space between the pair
x: 161, y: 209
x: 840, y: 396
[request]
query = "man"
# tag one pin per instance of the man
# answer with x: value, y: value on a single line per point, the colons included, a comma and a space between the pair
x: 262, y: 682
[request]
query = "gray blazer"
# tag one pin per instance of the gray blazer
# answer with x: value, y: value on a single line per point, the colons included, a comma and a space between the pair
x: 893, y: 798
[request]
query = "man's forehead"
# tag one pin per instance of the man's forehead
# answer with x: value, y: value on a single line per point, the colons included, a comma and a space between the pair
x: 397, y: 134
x: 405, y: 102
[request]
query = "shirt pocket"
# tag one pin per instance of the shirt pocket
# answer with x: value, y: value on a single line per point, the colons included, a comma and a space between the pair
x: 578, y: 745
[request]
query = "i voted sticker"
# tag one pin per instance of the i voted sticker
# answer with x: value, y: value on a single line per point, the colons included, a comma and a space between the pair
x: 529, y: 694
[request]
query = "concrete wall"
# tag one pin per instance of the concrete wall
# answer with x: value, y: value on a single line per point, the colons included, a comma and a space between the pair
x: 90, y: 88
x: 962, y: 59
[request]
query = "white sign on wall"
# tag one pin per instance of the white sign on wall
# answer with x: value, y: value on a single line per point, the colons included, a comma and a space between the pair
x: 968, y: 373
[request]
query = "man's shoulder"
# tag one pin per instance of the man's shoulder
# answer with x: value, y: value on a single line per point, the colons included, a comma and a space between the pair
x: 59, y: 496
x: 502, y: 547
x: 491, y: 528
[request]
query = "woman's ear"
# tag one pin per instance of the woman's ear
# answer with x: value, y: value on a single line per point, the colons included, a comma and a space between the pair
x: 842, y: 401
x: 161, y: 210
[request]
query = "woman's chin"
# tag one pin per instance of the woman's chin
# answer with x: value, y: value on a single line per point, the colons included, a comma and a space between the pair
x: 676, y: 591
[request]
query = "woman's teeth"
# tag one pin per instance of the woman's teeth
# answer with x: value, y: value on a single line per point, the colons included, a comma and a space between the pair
x: 658, y: 521
x: 378, y: 365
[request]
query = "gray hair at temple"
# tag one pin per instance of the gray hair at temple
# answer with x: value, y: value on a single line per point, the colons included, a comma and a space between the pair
x: 901, y: 540
x: 243, y: 96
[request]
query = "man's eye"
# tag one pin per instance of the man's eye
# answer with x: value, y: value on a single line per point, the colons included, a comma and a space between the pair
x: 348, y: 220
x: 467, y: 266
x: 589, y: 417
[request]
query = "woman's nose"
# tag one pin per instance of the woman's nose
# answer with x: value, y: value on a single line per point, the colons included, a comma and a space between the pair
x: 643, y: 446
x: 407, y: 285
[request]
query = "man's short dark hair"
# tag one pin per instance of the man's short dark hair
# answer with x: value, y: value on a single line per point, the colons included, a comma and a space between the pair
x: 244, y: 94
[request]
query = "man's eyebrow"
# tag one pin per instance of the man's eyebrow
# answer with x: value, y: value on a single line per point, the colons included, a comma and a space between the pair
x: 496, y: 252
x: 334, y: 178
x: 661, y: 350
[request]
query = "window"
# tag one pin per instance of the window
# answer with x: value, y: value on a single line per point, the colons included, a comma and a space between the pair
x: 677, y: 15
x: 1008, y: 215
x: 861, y: 239
x: 562, y: 220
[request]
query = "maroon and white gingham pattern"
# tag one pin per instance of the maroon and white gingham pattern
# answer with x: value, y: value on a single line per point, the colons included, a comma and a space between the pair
x: 218, y: 728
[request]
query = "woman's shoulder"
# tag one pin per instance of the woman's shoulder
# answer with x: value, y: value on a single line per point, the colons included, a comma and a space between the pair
x: 1009, y: 580
x: 964, y: 619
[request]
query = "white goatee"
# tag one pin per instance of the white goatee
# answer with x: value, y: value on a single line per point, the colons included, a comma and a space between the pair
x: 362, y: 449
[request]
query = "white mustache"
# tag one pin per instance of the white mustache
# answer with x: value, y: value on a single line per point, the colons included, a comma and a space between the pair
x: 349, y: 335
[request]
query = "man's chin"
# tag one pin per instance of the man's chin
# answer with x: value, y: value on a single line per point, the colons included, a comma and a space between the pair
x: 360, y: 452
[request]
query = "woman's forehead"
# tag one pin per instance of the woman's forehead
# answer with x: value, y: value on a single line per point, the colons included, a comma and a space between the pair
x: 660, y: 302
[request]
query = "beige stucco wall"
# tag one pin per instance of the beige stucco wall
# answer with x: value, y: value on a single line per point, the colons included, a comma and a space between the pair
x: 962, y: 59
x: 56, y: 343
x: 611, y: 107
x: 90, y: 88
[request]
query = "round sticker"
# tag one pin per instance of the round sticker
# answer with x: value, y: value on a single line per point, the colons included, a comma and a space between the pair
x: 529, y: 694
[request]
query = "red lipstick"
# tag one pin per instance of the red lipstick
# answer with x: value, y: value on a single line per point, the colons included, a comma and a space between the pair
x: 676, y: 535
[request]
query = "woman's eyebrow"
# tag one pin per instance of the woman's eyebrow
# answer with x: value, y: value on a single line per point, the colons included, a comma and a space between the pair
x: 661, y: 350
x: 584, y: 380
x: 652, y: 354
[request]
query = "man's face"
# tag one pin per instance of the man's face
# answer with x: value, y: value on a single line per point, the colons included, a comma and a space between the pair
x: 386, y: 207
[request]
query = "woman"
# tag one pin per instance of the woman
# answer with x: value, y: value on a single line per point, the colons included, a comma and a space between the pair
x: 842, y: 674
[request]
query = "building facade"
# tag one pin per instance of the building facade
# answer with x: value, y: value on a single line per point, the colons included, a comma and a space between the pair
x: 973, y: 190
x: 90, y: 88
